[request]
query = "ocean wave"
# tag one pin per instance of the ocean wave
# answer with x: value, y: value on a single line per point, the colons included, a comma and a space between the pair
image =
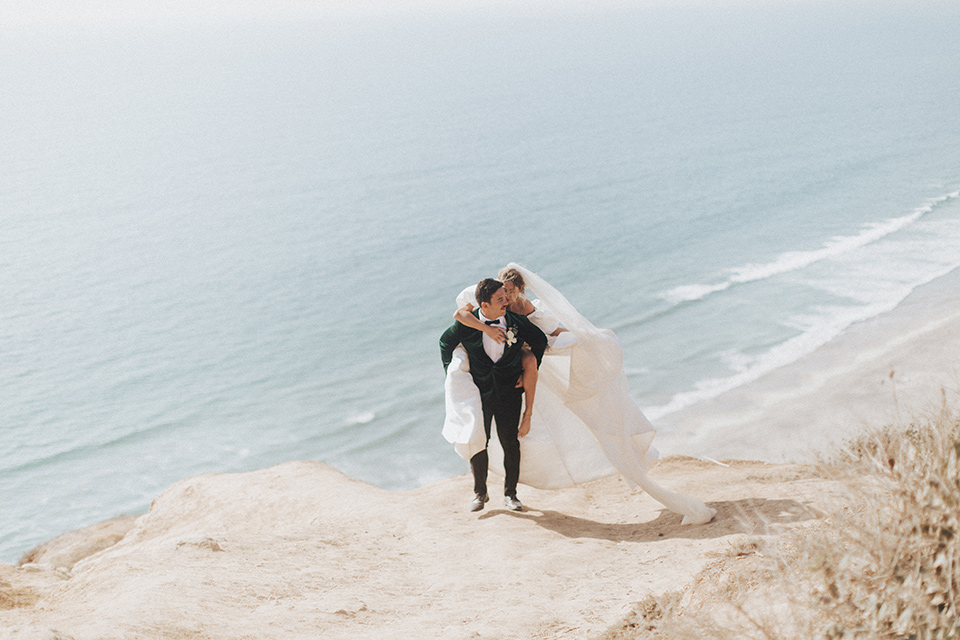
x: 796, y: 260
x: 362, y: 417
x: 749, y: 369
x: 867, y: 283
x: 816, y: 331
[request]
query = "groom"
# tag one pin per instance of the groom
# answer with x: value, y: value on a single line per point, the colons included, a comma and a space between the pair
x: 496, y: 370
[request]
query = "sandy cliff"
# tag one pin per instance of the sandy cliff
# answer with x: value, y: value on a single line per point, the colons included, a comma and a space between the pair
x: 301, y: 551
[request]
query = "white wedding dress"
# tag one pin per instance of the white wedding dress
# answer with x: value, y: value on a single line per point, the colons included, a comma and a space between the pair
x: 585, y: 425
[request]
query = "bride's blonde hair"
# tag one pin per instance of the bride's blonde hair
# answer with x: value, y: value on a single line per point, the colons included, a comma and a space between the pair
x: 509, y: 274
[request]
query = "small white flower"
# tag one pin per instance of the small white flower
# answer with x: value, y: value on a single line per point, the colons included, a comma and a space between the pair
x: 511, y: 337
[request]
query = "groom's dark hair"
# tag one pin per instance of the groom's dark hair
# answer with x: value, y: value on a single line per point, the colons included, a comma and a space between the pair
x: 485, y: 290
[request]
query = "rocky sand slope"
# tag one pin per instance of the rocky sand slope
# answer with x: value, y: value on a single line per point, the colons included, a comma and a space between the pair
x: 301, y: 551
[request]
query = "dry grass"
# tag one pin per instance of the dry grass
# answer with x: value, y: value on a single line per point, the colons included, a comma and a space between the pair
x: 885, y: 565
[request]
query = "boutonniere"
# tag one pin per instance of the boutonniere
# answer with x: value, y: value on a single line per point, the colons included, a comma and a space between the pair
x: 511, y: 336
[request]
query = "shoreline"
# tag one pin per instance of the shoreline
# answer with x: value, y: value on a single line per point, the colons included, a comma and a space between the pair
x: 884, y: 370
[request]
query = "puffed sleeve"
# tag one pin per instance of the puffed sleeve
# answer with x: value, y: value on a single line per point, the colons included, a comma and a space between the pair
x: 546, y: 321
x: 468, y: 295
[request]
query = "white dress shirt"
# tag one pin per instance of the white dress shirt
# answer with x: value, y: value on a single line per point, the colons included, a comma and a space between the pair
x: 493, y: 348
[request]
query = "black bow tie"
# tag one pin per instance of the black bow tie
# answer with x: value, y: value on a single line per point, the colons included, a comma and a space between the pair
x: 492, y: 321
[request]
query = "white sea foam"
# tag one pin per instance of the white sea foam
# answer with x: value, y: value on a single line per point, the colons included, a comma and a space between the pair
x: 363, y: 417
x: 796, y: 260
x: 690, y: 292
x: 875, y: 282
x: 749, y: 369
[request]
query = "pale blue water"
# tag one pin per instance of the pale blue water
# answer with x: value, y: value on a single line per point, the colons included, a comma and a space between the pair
x: 226, y: 246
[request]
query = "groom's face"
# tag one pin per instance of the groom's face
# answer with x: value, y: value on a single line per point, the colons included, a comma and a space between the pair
x: 497, y: 306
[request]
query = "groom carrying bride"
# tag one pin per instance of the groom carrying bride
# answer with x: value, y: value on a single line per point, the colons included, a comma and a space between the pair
x: 496, y: 369
x: 587, y: 425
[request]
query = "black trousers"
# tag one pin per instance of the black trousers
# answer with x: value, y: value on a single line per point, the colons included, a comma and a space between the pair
x: 506, y: 412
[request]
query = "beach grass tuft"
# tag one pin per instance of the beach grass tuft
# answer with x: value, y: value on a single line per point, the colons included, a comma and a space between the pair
x: 884, y: 564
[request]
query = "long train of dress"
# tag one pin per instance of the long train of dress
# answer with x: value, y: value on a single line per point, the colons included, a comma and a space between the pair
x: 585, y: 424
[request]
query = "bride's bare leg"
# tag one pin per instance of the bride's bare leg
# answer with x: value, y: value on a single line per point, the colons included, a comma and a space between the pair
x: 530, y: 377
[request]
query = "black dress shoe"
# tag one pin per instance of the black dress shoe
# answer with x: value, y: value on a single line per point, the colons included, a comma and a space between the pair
x: 478, y: 502
x: 511, y: 502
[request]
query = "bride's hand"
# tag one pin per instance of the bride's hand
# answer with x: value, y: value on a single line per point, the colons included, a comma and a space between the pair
x: 496, y: 334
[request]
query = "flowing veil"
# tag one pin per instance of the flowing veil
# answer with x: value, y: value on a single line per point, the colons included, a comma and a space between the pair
x: 585, y: 424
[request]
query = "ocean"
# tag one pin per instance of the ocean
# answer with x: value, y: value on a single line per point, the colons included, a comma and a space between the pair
x: 227, y: 244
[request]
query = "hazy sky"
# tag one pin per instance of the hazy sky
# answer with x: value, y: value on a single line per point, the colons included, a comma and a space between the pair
x: 30, y: 12
x: 106, y: 11
x: 111, y: 11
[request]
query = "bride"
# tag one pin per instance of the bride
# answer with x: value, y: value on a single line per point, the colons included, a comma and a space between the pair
x: 586, y: 425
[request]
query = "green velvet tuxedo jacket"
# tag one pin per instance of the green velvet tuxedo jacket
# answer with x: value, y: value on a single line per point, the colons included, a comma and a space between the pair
x: 494, y: 378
